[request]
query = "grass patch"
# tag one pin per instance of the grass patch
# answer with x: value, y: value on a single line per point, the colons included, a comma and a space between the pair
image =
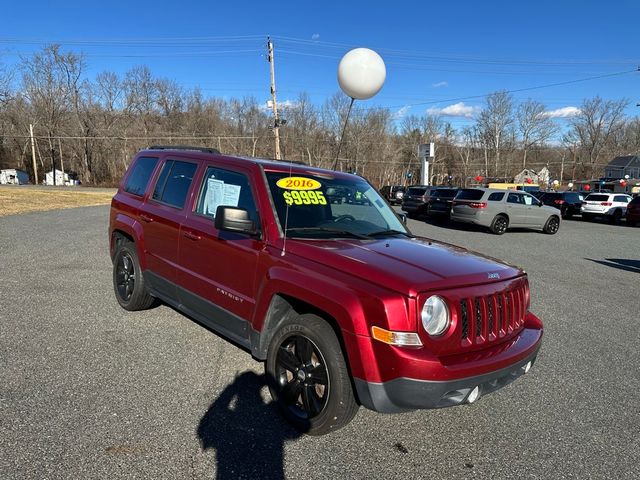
x: 23, y: 199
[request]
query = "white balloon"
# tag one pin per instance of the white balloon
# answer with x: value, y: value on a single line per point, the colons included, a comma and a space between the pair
x: 570, y: 185
x: 556, y: 182
x: 361, y: 73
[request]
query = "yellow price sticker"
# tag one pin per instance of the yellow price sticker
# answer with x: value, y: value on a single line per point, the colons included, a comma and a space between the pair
x: 304, y: 197
x: 298, y: 183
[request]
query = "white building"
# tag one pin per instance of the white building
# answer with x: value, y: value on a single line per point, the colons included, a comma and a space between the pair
x: 61, y: 178
x: 11, y: 176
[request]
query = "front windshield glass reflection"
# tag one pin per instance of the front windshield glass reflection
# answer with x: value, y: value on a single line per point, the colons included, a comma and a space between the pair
x: 313, y: 206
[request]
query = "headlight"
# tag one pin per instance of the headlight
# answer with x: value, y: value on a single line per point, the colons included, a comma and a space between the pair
x: 435, y: 316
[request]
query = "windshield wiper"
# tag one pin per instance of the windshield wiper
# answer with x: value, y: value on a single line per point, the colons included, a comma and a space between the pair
x: 331, y: 230
x: 381, y: 233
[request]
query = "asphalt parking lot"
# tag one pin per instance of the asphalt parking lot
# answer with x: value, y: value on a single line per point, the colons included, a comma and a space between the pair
x: 88, y: 390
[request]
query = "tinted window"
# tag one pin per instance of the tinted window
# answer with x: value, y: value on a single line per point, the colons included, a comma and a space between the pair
x: 176, y: 181
x: 572, y: 197
x: 445, y: 192
x: 496, y: 196
x: 140, y: 174
x: 620, y: 198
x: 550, y: 197
x: 223, y: 187
x: 515, y: 198
x: 417, y: 191
x: 470, y: 194
x: 595, y: 197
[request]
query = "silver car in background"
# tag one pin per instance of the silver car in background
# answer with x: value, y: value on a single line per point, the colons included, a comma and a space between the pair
x: 499, y: 210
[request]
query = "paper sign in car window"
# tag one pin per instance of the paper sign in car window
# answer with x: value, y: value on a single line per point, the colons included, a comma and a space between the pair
x: 215, y: 191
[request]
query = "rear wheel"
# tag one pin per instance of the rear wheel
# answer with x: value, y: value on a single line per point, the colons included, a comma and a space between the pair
x: 128, y: 281
x: 616, y: 217
x: 552, y: 225
x: 308, y: 376
x: 499, y: 225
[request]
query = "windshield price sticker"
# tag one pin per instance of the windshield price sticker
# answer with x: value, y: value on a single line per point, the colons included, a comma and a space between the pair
x: 304, y: 197
x: 301, y: 191
x: 298, y: 183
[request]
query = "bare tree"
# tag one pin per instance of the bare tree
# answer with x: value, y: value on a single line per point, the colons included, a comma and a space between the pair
x: 595, y: 127
x: 495, y: 123
x: 534, y: 126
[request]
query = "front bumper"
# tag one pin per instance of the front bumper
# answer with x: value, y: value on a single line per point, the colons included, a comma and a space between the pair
x: 405, y: 394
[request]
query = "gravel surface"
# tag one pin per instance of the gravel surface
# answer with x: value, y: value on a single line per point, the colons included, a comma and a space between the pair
x: 88, y: 390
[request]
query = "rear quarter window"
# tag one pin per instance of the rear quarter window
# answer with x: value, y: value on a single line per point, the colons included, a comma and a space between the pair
x: 470, y: 194
x: 138, y: 179
x: 621, y: 198
x: 417, y: 191
x: 496, y: 197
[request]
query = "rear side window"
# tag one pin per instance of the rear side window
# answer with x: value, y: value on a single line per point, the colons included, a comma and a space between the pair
x: 417, y: 191
x: 445, y: 192
x: 620, y: 198
x: 174, y: 182
x: 469, y: 194
x: 594, y: 197
x: 140, y: 174
x: 496, y: 197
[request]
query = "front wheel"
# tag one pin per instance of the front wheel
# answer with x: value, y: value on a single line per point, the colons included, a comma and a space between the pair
x: 552, y: 225
x: 308, y: 376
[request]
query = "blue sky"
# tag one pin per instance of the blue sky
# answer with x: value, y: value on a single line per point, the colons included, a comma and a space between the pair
x: 437, y: 53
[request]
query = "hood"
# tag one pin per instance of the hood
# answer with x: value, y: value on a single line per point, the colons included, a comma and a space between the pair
x: 405, y: 265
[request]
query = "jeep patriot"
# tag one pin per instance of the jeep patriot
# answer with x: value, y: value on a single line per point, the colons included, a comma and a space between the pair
x: 343, y: 304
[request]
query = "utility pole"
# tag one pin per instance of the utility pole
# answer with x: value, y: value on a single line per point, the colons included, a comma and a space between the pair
x: 33, y: 155
x: 274, y: 105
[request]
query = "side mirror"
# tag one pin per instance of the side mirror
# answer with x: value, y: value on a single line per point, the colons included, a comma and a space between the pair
x: 234, y: 219
x: 403, y: 218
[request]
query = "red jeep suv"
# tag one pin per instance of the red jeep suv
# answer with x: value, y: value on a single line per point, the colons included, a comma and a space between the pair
x: 345, y: 306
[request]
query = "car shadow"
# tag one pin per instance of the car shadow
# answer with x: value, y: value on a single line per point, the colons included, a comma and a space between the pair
x: 620, y: 263
x: 247, y: 434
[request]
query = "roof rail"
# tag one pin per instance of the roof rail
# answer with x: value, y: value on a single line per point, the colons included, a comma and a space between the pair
x: 184, y: 147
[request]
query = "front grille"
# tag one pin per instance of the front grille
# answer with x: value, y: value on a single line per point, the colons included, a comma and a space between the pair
x: 487, y: 318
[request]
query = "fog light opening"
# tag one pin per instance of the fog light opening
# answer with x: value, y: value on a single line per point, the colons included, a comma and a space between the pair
x: 474, y: 395
x: 527, y: 367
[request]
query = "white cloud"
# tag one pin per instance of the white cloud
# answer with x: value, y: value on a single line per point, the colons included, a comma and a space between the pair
x: 440, y: 84
x: 315, y: 36
x: 565, y: 112
x: 402, y: 112
x: 455, y: 110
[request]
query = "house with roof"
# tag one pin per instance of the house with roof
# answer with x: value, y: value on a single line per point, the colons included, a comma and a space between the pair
x: 623, y: 165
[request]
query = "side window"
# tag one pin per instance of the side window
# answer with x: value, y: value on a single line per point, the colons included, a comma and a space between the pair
x: 621, y: 198
x: 496, y: 196
x: 140, y: 174
x: 227, y: 188
x: 514, y: 198
x: 174, y: 182
x: 529, y: 200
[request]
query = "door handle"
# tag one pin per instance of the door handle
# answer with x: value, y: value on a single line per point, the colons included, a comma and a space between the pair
x: 191, y: 235
x: 145, y: 218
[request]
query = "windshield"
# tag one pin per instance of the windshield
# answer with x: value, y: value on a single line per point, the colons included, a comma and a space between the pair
x: 314, y: 206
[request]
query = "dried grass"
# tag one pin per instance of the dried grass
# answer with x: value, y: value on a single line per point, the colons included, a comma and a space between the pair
x: 22, y: 199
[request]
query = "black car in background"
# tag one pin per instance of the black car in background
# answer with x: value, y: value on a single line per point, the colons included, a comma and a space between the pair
x: 568, y: 203
x: 415, y: 200
x: 439, y: 204
x: 393, y: 193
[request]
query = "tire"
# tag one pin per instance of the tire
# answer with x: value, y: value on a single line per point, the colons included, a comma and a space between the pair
x: 128, y: 281
x: 552, y: 225
x: 308, y: 376
x: 499, y: 225
x: 616, y: 217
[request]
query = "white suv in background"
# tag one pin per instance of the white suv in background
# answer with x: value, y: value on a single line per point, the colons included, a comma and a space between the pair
x: 608, y: 205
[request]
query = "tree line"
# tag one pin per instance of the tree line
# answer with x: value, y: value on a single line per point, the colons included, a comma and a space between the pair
x: 95, y: 126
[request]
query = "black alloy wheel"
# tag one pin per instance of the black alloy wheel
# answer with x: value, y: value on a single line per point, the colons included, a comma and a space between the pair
x: 125, y: 277
x: 552, y: 225
x: 308, y: 375
x: 499, y: 224
x: 302, y: 377
x: 128, y: 281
